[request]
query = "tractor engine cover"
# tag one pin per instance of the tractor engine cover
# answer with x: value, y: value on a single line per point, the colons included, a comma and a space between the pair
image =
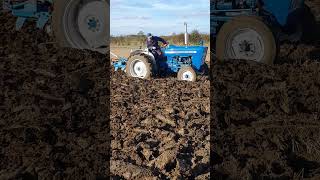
x: 196, y: 54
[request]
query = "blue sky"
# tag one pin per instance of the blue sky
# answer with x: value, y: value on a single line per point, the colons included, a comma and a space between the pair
x: 160, y: 17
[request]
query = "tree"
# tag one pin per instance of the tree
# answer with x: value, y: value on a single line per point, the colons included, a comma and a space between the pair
x: 195, y: 37
x: 140, y: 33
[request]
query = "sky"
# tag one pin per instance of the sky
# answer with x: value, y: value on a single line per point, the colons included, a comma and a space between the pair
x: 159, y: 17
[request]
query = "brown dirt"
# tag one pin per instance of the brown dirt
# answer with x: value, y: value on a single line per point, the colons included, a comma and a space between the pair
x: 266, y: 119
x: 159, y: 128
x: 54, y: 116
x: 53, y: 108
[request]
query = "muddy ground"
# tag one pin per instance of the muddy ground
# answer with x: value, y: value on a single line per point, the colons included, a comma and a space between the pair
x: 53, y: 108
x: 159, y: 128
x: 266, y: 119
x: 55, y: 116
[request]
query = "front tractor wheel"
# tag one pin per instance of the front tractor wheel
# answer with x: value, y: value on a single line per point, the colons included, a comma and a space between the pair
x: 246, y: 38
x: 139, y: 66
x: 187, y: 74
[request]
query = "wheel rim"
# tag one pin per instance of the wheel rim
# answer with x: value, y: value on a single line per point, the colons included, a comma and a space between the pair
x: 76, y: 27
x: 187, y: 76
x: 92, y: 23
x: 138, y: 69
x: 245, y: 44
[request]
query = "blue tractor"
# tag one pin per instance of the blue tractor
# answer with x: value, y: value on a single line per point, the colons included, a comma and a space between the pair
x: 253, y: 29
x: 186, y: 61
x: 241, y: 29
x: 81, y: 24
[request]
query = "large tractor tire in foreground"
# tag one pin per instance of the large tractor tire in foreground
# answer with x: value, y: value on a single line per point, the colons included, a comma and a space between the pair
x: 139, y: 66
x: 246, y: 38
x: 81, y: 24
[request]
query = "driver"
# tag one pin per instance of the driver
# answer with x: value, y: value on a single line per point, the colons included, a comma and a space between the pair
x: 153, y: 46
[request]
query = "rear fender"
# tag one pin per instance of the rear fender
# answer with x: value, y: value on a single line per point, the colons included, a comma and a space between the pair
x: 146, y: 53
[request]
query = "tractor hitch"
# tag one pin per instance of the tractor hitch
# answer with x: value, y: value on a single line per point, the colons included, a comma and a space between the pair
x: 29, y: 10
x: 119, y: 62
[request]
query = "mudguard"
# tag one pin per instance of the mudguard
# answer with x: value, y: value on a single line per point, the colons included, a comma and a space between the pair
x: 149, y: 54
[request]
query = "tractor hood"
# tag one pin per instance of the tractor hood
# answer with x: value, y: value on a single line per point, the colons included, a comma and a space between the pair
x: 198, y: 54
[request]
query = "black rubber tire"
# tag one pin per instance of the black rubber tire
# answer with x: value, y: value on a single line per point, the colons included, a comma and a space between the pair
x: 204, y: 69
x: 254, y: 23
x: 152, y: 60
x: 309, y: 24
x: 185, y: 69
x: 58, y: 15
x: 143, y: 58
x: 57, y: 22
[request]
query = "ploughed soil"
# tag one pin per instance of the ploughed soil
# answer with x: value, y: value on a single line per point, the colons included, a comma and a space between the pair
x: 55, y: 107
x: 159, y: 128
x: 266, y: 119
x: 54, y: 110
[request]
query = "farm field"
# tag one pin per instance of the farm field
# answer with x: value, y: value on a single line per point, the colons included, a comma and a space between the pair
x: 265, y: 119
x: 159, y: 127
x: 66, y: 114
x: 54, y: 107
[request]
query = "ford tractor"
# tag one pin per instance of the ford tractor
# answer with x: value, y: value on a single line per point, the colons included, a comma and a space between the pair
x: 81, y: 24
x: 185, y: 61
x: 254, y: 29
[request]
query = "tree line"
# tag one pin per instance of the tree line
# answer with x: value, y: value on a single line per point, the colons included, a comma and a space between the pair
x: 195, y: 37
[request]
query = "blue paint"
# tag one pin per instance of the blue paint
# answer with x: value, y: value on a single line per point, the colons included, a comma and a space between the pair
x: 120, y: 64
x: 276, y: 12
x: 175, y: 54
x: 30, y: 10
x: 175, y: 58
x: 92, y: 24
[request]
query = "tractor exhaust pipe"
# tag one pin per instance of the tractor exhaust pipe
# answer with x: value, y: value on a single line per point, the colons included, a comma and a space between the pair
x: 186, y: 34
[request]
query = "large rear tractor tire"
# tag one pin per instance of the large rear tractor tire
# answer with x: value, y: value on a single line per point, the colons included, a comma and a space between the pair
x: 187, y: 73
x: 204, y: 69
x: 310, y: 30
x: 139, y: 66
x: 81, y: 24
x: 246, y: 38
x: 301, y: 25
